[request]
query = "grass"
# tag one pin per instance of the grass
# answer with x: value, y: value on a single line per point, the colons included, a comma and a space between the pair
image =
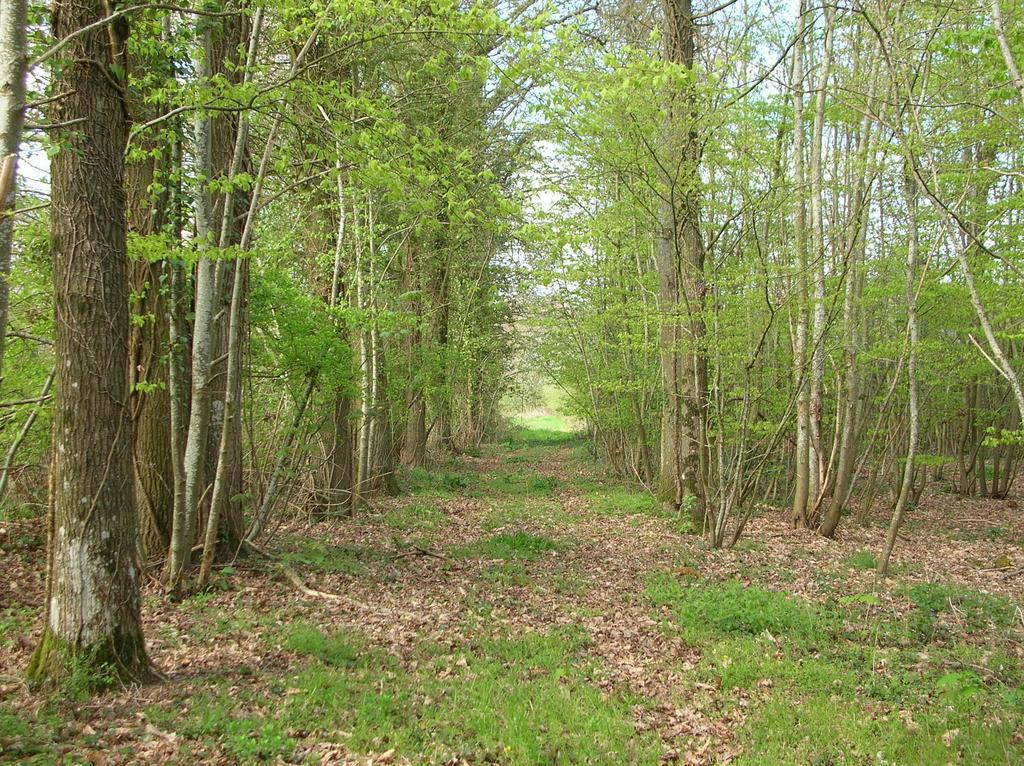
x: 862, y: 561
x: 940, y: 607
x: 918, y: 672
x: 615, y: 500
x: 28, y: 736
x: 349, y: 560
x: 731, y: 608
x: 415, y: 517
x: 522, y: 701
x: 434, y: 483
x: 523, y: 546
x: 851, y: 683
x: 521, y: 483
x: 15, y: 621
x: 527, y: 512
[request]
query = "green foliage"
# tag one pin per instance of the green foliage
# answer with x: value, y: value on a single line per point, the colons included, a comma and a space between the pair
x: 508, y: 574
x: 519, y: 483
x: 862, y: 560
x: 28, y: 736
x: 817, y: 677
x: 523, y: 701
x: 217, y: 719
x: 414, y: 517
x: 510, y: 545
x: 338, y: 649
x: 348, y: 560
x: 734, y: 608
x: 622, y: 501
x: 973, y: 611
x: 434, y: 483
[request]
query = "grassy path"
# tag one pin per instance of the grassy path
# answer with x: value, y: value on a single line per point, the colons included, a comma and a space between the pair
x: 515, y: 607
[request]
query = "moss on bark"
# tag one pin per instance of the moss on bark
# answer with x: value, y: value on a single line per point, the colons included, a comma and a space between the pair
x: 119, y: 657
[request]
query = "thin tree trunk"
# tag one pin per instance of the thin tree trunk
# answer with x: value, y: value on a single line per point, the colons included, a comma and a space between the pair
x: 1004, y: 47
x: 25, y: 428
x: 414, y: 435
x: 219, y: 497
x: 801, y: 489
x: 855, y: 247
x: 150, y: 331
x: 13, y: 63
x: 186, y: 517
x: 229, y: 157
x: 816, y: 458
x: 910, y: 192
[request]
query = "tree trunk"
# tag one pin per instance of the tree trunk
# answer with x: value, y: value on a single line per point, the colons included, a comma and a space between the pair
x: 229, y: 156
x: 92, y: 616
x: 414, y: 433
x: 855, y: 246
x: 148, y: 348
x: 193, y: 458
x: 13, y: 61
x: 339, y: 460
x: 910, y: 189
x: 680, y: 263
x: 816, y: 457
x: 801, y: 489
x: 223, y: 480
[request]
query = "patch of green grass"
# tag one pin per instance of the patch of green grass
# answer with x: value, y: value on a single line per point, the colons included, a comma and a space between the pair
x: 509, y: 545
x: 541, y: 430
x: 435, y: 483
x: 513, y: 701
x: 228, y: 719
x: 732, y: 608
x: 508, y: 574
x: 527, y: 512
x: 415, y: 517
x: 15, y: 621
x: 349, y: 560
x: 518, y: 484
x: 26, y: 736
x: 862, y: 560
x: 750, y: 546
x: 527, y: 701
x: 972, y: 611
x: 829, y: 727
x: 567, y: 584
x: 339, y: 649
x: 623, y: 501
x: 850, y: 683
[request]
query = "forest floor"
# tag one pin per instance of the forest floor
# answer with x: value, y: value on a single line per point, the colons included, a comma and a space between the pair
x: 517, y: 607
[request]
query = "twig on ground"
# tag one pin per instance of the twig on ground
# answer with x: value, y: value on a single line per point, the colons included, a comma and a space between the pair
x: 416, y: 550
x: 296, y: 580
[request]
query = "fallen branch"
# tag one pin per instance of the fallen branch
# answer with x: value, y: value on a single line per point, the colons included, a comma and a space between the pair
x: 296, y: 580
x: 293, y: 577
x: 416, y: 550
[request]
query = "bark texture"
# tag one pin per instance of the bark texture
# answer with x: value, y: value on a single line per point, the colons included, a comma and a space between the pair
x: 13, y: 22
x: 148, y: 341
x: 680, y: 262
x: 92, y: 594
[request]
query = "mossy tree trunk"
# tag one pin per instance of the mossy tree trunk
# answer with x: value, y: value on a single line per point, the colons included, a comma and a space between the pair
x: 92, y: 594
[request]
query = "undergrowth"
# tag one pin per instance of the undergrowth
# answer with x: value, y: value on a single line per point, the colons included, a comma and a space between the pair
x: 852, y: 682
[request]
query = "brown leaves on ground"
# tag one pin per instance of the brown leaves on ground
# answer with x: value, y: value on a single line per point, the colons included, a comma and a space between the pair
x: 408, y: 592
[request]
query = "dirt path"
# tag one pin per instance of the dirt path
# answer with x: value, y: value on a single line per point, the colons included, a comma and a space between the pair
x: 520, y: 572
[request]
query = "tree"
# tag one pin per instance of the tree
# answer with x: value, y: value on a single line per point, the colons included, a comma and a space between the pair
x: 13, y: 63
x: 680, y: 259
x: 92, y: 616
